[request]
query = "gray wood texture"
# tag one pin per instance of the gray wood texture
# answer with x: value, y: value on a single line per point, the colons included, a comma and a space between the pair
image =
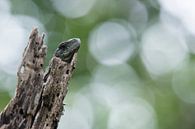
x: 38, y: 101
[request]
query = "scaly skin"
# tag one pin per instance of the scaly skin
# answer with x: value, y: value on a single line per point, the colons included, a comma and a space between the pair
x: 66, y: 50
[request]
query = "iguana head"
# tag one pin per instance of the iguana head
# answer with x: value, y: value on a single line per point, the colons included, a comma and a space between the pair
x: 66, y: 49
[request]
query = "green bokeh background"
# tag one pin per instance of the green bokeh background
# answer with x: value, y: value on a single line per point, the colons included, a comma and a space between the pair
x: 171, y: 111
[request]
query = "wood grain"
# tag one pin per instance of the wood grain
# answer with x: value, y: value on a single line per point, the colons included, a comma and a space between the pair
x: 38, y: 102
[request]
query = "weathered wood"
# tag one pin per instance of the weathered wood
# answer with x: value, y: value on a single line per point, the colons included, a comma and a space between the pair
x: 38, y: 102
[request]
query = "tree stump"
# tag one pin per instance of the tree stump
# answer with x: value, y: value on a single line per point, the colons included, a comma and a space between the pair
x: 38, y: 101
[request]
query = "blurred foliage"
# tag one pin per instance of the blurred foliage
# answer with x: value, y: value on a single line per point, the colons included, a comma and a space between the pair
x: 4, y: 97
x: 171, y: 111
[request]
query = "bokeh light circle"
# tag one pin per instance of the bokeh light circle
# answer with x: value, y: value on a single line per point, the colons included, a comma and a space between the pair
x: 183, y: 10
x: 73, y: 8
x: 111, y: 43
x: 4, y: 7
x: 115, y: 75
x: 183, y: 82
x: 137, y: 114
x: 9, y: 47
x: 78, y: 113
x: 138, y: 15
x: 163, y: 49
x: 114, y: 84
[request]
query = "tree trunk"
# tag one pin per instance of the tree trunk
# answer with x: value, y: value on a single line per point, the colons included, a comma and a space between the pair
x: 38, y: 102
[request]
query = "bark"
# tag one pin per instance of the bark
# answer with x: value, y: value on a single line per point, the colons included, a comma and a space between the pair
x: 38, y: 102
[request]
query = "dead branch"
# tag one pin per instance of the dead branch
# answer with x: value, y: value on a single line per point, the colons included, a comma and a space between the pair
x: 38, y: 102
